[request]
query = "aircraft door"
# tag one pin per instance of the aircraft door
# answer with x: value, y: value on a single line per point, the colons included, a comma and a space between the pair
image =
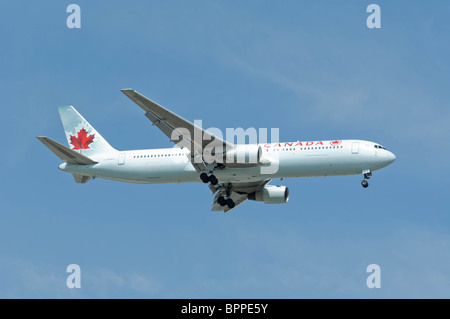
x: 121, y: 158
x: 355, y: 148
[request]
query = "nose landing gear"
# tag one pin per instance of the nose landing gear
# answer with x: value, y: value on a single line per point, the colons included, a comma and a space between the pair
x: 367, y: 175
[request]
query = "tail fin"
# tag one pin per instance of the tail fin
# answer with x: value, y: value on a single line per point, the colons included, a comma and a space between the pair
x: 81, y: 136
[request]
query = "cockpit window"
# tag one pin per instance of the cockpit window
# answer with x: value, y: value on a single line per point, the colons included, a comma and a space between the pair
x: 380, y: 147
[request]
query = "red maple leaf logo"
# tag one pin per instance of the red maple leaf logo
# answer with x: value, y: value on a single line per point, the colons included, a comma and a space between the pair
x: 335, y: 142
x: 82, y: 141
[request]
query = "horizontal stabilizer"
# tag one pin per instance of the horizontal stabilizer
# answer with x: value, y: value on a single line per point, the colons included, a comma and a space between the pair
x: 66, y: 154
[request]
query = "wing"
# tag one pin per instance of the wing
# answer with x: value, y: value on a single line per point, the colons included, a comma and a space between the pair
x: 199, y: 142
x: 179, y: 130
x: 238, y: 192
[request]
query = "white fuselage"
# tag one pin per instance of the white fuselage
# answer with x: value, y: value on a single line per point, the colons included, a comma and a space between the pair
x: 292, y: 159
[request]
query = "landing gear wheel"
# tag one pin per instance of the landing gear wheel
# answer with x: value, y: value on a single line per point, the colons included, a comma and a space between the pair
x: 221, y: 200
x: 204, y: 177
x: 230, y: 203
x: 365, y: 183
x: 213, y: 180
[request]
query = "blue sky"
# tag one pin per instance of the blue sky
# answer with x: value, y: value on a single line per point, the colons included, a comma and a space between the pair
x: 312, y: 69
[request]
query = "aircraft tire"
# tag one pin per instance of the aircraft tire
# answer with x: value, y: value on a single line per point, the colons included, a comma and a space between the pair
x: 204, y: 177
x: 230, y: 203
x: 213, y: 180
x: 221, y: 200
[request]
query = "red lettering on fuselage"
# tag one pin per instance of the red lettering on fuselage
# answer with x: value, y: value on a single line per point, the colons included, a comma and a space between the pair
x: 291, y: 144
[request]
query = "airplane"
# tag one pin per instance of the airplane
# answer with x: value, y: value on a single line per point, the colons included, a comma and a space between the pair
x: 234, y: 173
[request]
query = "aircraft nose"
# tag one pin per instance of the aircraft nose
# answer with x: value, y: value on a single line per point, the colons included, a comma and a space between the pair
x: 390, y: 157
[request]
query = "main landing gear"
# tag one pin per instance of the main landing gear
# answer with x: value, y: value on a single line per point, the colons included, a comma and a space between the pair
x: 209, y: 179
x: 367, y: 175
x: 228, y: 202
x: 227, y: 199
x: 221, y: 200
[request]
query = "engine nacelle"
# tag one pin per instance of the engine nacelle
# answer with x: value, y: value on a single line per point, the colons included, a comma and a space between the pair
x: 244, y: 155
x: 271, y: 194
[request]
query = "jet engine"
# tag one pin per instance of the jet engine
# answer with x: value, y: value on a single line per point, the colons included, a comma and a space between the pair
x: 271, y: 194
x: 244, y: 155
